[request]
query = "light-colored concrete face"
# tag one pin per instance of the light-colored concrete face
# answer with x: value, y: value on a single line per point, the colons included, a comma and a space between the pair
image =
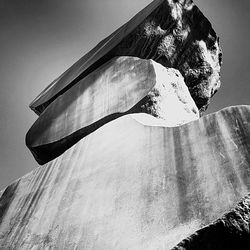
x: 113, y: 90
x: 132, y: 186
x: 172, y: 33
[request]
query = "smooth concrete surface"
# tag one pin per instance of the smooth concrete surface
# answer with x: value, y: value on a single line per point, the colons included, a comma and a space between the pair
x: 172, y: 33
x: 132, y: 186
x: 122, y: 85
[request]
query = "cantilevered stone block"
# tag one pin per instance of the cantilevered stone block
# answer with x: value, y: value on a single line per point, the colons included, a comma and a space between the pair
x: 132, y: 186
x: 173, y: 33
x: 121, y: 86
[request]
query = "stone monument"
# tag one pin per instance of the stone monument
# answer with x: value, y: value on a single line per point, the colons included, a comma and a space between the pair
x: 128, y: 159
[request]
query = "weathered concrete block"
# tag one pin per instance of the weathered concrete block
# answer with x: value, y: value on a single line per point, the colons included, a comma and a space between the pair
x: 172, y: 33
x: 121, y: 86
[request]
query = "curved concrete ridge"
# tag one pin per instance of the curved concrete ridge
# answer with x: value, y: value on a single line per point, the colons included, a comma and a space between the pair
x: 148, y: 120
x: 121, y: 86
x: 172, y: 33
x: 142, y: 187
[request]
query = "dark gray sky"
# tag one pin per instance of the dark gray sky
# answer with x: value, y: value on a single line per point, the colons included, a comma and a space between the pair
x: 40, y: 39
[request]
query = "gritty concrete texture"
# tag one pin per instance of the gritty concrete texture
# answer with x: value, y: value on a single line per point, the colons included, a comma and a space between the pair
x: 132, y: 186
x: 172, y: 33
x: 169, y: 99
x: 121, y: 86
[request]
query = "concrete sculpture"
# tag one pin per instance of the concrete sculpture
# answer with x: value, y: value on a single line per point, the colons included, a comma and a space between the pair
x: 129, y: 162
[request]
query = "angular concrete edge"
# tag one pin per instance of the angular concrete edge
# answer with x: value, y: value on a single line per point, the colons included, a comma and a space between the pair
x: 70, y: 76
x: 232, y: 231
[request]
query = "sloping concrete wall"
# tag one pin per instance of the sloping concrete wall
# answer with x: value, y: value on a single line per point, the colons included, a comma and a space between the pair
x: 132, y: 186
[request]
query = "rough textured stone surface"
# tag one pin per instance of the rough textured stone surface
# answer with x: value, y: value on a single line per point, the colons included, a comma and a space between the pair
x: 132, y: 186
x: 232, y: 231
x: 169, y: 100
x: 173, y: 33
x: 121, y: 86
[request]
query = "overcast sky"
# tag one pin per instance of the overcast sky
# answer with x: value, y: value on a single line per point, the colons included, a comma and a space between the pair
x: 40, y: 39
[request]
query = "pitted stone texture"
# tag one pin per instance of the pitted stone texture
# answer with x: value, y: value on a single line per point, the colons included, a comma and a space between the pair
x: 121, y: 86
x: 176, y: 34
x: 173, y: 33
x: 169, y: 100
